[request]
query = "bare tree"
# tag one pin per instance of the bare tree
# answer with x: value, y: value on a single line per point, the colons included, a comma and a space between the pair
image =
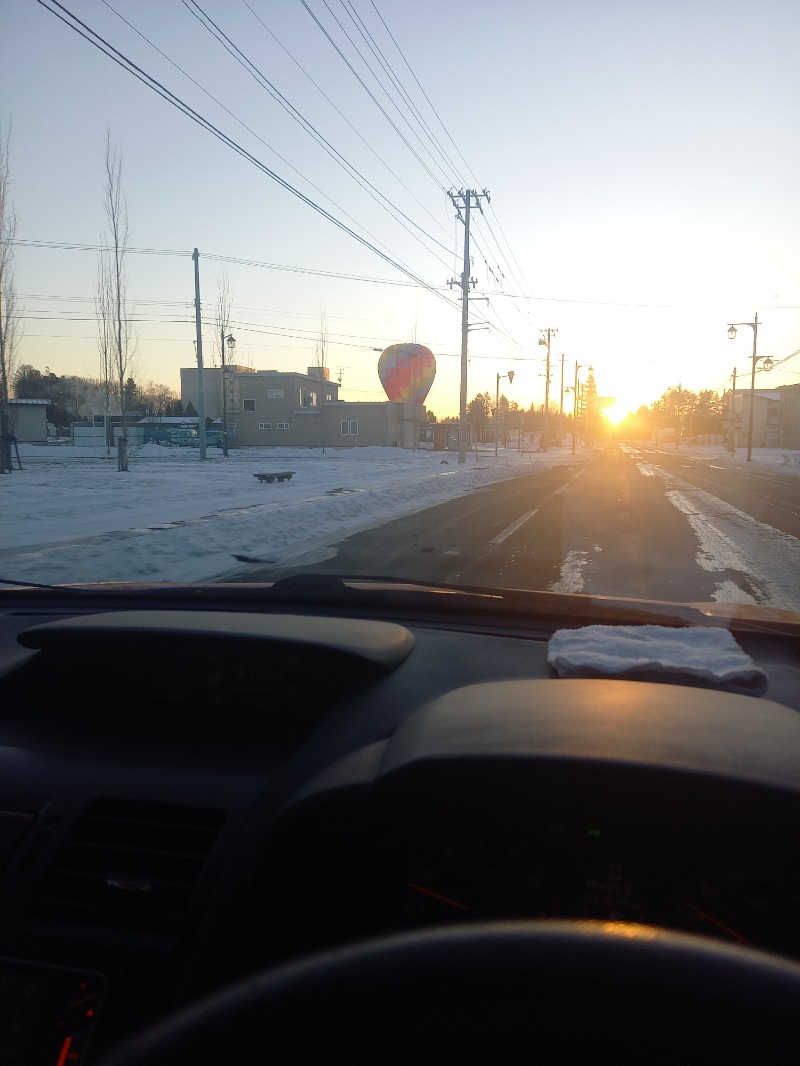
x: 223, y: 343
x: 104, y: 306
x: 321, y: 364
x: 113, y: 304
x: 222, y: 317
x: 157, y: 397
x: 9, y: 322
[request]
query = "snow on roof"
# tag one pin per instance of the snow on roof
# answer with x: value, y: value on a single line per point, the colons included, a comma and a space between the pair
x: 169, y: 420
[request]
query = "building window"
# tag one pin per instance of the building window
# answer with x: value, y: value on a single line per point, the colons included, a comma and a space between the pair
x: 349, y: 429
x: 248, y: 405
x: 265, y: 425
x: 275, y: 394
x: 308, y: 398
x: 281, y: 425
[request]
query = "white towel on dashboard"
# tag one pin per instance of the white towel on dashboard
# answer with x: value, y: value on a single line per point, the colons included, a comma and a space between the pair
x: 656, y: 653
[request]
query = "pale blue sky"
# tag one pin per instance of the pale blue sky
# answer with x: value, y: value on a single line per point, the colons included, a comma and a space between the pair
x: 636, y: 153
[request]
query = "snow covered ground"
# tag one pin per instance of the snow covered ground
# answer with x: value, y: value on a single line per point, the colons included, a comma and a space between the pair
x: 70, y: 516
x: 764, y: 561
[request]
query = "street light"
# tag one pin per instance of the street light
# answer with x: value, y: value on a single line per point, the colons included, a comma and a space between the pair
x: 510, y: 376
x: 230, y: 340
x: 574, y: 391
x: 767, y: 366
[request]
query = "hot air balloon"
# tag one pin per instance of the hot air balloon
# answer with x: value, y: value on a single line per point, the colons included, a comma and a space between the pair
x: 407, y: 372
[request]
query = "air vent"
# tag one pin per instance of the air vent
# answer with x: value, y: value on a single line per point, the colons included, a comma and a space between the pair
x: 130, y: 866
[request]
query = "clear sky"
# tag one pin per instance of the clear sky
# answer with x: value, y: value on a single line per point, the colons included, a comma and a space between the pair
x: 643, y: 161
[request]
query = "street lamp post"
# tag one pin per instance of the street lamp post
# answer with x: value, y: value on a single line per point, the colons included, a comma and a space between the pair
x: 546, y: 337
x: 574, y: 390
x: 767, y: 366
x: 230, y: 340
x: 510, y: 376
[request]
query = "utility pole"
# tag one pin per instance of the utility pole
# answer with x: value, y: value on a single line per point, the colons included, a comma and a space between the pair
x: 546, y: 336
x: 201, y: 391
x: 561, y: 408
x: 578, y: 366
x: 224, y: 393
x: 465, y: 200
x: 732, y: 417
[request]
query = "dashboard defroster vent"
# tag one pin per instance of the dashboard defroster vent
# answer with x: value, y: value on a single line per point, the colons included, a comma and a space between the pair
x: 130, y: 866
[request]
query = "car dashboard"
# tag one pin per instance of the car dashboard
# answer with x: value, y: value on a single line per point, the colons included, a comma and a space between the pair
x: 194, y: 791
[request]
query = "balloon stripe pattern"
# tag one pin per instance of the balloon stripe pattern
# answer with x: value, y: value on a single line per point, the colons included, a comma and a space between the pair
x: 407, y: 372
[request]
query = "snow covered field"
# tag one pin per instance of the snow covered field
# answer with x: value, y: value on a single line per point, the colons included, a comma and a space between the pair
x: 70, y: 516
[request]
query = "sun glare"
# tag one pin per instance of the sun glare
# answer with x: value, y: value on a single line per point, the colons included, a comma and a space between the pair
x: 616, y: 413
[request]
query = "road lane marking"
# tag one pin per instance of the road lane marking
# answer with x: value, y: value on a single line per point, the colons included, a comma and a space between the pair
x: 513, y: 527
x: 504, y: 534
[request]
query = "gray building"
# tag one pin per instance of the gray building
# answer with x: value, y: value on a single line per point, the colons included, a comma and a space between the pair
x: 287, y: 409
x: 29, y: 420
x: 766, y: 423
x: 789, y: 415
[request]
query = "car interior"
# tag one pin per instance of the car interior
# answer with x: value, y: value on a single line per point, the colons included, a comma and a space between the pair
x: 363, y: 820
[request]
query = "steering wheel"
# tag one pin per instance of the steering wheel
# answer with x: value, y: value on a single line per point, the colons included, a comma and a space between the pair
x: 547, y: 992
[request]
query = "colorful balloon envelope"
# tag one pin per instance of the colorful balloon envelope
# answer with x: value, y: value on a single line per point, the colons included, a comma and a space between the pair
x: 407, y: 372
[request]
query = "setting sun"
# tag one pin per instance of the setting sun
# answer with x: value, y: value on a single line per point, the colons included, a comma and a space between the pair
x: 616, y: 413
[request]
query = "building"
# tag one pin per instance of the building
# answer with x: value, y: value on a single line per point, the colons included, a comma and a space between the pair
x: 28, y: 420
x: 789, y: 415
x: 287, y: 409
x: 766, y: 421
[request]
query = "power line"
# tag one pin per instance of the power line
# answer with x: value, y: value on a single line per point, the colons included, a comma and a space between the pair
x: 243, y: 124
x: 366, y: 279
x: 81, y: 247
x: 127, y: 64
x: 433, y: 109
x: 455, y: 146
x: 369, y: 40
x: 260, y: 78
x: 371, y: 95
x: 344, y: 117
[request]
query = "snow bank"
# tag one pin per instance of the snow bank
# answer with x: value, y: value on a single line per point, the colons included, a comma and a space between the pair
x: 72, y: 516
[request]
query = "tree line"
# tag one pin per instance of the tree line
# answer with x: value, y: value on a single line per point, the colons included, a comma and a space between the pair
x: 680, y: 412
x: 71, y: 398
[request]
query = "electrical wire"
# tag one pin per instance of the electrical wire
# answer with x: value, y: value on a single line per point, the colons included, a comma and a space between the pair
x: 127, y: 64
x: 243, y: 124
x: 458, y: 152
x: 430, y: 104
x: 386, y: 67
x: 371, y: 95
x: 344, y: 117
x: 260, y: 78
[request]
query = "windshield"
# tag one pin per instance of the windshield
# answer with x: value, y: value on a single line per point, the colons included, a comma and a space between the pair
x: 502, y: 297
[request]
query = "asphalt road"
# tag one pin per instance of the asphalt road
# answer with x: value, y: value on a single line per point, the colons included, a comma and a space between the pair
x: 769, y: 496
x: 605, y: 527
